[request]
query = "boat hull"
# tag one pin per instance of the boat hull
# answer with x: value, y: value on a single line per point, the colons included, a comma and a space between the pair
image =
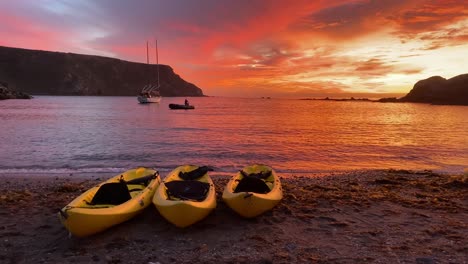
x: 251, y: 204
x: 82, y: 219
x: 148, y: 100
x: 180, y: 106
x: 183, y: 213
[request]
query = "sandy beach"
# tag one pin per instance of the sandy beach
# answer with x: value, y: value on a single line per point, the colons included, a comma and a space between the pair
x: 374, y: 216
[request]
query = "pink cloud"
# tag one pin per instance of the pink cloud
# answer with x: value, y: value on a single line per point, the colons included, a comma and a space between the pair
x: 19, y: 32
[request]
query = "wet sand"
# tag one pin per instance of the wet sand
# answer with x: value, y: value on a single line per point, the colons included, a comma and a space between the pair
x: 377, y: 216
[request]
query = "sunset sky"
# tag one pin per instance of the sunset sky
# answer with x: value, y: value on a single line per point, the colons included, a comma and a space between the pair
x: 247, y: 48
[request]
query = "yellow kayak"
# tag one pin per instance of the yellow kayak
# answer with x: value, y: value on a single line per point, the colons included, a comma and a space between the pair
x: 111, y: 202
x: 186, y: 196
x: 253, y: 190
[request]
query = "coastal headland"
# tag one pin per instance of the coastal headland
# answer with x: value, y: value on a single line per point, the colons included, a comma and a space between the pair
x: 40, y: 72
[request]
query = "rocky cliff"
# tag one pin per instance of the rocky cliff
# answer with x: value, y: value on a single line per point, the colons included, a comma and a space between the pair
x: 56, y: 73
x: 438, y: 90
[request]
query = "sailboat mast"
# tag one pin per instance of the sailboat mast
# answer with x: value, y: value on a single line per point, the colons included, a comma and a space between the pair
x: 147, y: 62
x: 157, y: 61
x: 147, y: 54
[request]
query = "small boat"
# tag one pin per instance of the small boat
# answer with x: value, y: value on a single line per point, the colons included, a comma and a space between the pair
x: 181, y: 106
x: 253, y: 190
x: 150, y: 93
x: 186, y: 196
x: 110, y: 203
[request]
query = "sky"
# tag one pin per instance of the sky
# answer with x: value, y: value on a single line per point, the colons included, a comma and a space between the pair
x: 253, y: 48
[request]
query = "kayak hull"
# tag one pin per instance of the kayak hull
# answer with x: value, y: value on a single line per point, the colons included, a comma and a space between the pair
x: 183, y: 213
x: 251, y: 204
x: 82, y: 219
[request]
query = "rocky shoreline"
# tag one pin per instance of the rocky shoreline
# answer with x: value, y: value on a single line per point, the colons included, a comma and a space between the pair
x: 376, y: 216
x: 6, y: 93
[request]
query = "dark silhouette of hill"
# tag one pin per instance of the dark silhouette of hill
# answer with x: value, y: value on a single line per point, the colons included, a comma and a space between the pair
x: 58, y: 73
x: 437, y: 90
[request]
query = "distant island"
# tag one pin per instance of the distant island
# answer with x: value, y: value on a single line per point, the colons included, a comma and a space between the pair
x: 56, y: 73
x: 433, y: 90
x: 341, y: 99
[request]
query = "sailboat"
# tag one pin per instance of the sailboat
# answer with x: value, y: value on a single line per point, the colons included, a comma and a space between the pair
x: 150, y: 92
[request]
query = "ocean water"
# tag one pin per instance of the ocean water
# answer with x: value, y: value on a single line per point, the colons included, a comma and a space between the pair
x: 87, y: 135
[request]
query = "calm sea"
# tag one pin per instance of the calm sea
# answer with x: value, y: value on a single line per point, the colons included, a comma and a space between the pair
x: 82, y: 135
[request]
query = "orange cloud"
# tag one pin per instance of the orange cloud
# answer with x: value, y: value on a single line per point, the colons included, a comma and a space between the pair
x: 430, y: 16
x: 238, y: 48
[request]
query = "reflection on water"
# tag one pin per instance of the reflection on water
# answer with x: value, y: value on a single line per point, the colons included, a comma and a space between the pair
x: 93, y: 134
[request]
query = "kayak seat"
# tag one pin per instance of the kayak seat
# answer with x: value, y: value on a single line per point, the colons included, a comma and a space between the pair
x: 252, y: 184
x: 135, y: 187
x: 260, y: 175
x: 187, y: 190
x: 143, y: 180
x: 195, y: 174
x: 114, y: 193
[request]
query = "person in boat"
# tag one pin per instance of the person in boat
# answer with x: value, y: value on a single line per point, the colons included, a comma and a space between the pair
x: 186, y: 102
